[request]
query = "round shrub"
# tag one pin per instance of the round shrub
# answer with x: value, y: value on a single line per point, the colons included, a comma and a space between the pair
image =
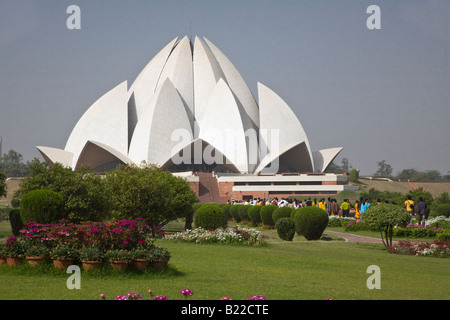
x: 310, y: 222
x: 234, y: 212
x: 243, y: 212
x: 283, y: 212
x: 266, y: 215
x: 254, y: 213
x: 285, y: 229
x: 226, y: 209
x: 210, y: 216
x: 42, y: 206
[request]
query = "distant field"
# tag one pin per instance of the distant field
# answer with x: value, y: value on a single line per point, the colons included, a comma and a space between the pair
x: 12, y: 186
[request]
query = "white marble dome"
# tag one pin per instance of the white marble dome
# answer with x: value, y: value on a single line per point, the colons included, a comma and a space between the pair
x: 190, y: 108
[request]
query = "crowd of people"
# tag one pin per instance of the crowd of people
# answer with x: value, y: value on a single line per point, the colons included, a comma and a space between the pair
x: 333, y: 208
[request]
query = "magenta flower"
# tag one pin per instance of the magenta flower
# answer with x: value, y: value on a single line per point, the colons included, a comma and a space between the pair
x: 186, y: 292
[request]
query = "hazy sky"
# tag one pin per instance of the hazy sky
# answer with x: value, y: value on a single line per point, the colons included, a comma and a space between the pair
x: 381, y: 94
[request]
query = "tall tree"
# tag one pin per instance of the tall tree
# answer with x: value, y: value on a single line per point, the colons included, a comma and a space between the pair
x: 12, y: 164
x: 2, y: 184
x: 384, y: 169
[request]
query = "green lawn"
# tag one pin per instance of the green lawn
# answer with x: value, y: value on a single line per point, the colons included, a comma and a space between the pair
x: 280, y: 271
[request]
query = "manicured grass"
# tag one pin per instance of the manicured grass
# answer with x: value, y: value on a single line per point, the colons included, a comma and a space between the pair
x: 279, y: 271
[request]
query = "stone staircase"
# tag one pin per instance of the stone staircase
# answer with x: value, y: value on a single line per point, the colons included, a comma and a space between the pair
x: 209, y: 188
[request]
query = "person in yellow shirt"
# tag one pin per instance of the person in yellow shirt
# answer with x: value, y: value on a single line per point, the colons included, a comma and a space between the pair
x: 345, y: 208
x: 322, y: 204
x: 409, y: 206
x: 357, y: 212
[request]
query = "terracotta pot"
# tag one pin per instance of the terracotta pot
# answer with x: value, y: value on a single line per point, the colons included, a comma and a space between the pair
x: 2, y: 260
x: 34, y: 261
x: 89, y: 265
x: 14, y: 261
x: 119, y: 265
x: 140, y: 264
x: 62, y: 264
x: 159, y: 264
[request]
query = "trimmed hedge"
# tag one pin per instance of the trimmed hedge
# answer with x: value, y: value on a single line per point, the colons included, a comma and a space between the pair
x: 283, y: 212
x: 310, y: 222
x: 442, y: 209
x: 285, y: 228
x: 16, y: 221
x: 210, y: 216
x: 235, y: 213
x: 254, y: 213
x: 266, y: 215
x: 42, y: 206
x: 243, y: 212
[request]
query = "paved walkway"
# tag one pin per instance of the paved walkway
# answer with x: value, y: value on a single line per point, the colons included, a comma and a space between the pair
x: 353, y: 237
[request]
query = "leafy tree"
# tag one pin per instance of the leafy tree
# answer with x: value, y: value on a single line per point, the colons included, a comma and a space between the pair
x: 406, y: 174
x: 150, y: 193
x: 384, y: 169
x: 12, y: 164
x: 383, y: 218
x: 354, y: 175
x: 2, y: 184
x: 83, y: 190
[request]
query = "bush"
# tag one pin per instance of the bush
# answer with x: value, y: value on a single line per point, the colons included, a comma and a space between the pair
x: 42, y: 206
x: 243, y: 212
x: 310, y: 222
x: 283, y: 212
x: 210, y: 216
x: 444, y: 235
x: 285, y: 228
x: 234, y: 211
x: 254, y: 213
x: 442, y: 209
x: 16, y: 221
x: 383, y: 218
x: 266, y: 215
x: 356, y: 225
x: 226, y: 209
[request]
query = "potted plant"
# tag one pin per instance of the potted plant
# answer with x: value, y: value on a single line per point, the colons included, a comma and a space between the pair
x: 140, y: 258
x: 63, y: 255
x: 14, y: 251
x: 118, y: 258
x: 36, y: 253
x: 160, y: 257
x: 91, y: 257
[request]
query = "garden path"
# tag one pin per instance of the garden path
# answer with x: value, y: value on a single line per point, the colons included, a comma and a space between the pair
x: 354, y: 238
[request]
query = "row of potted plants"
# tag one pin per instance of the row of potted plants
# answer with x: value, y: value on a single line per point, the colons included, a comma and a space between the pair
x: 120, y: 243
x: 15, y: 252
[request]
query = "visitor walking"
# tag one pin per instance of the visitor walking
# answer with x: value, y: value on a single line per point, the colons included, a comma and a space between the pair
x: 334, y: 208
x: 421, y: 207
x: 345, y: 207
x: 329, y: 207
x: 409, y: 206
x: 357, y: 210
x: 364, y: 207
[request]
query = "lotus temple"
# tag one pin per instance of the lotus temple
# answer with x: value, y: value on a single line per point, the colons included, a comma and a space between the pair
x: 190, y: 111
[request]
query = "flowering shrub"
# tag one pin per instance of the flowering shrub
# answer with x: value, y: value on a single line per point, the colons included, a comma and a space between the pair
x: 230, y: 235
x: 436, y: 248
x: 356, y: 225
x: 338, y: 221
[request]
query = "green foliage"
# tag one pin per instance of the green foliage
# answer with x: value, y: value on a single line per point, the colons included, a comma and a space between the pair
x: 444, y: 235
x: 353, y: 175
x: 210, y: 217
x: 383, y: 218
x: 392, y: 197
x: 442, y: 209
x: 420, y: 193
x: 282, y: 212
x: 357, y: 225
x: 254, y: 213
x: 150, y: 193
x: 42, y: 206
x: 16, y: 221
x: 226, y: 209
x: 266, y: 215
x: 234, y: 211
x: 90, y: 253
x: 243, y: 212
x: 310, y: 222
x: 2, y: 184
x: 12, y: 165
x: 285, y: 228
x: 84, y: 192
